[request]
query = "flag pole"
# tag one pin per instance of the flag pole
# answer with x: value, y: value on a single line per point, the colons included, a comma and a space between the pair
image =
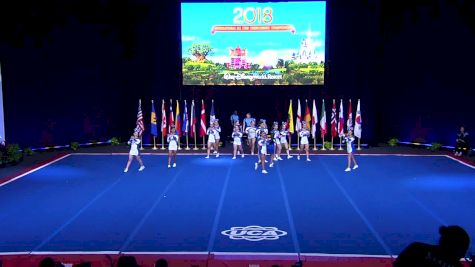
x: 341, y: 148
x: 323, y: 143
x: 314, y: 143
x: 163, y: 142
x: 141, y: 143
x: 290, y: 141
x: 154, y: 144
x: 298, y: 142
x: 204, y: 145
x: 332, y: 148
x: 187, y: 147
x: 194, y: 138
x: 359, y: 147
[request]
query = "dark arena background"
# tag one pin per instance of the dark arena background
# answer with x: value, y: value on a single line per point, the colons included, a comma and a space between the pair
x: 71, y: 77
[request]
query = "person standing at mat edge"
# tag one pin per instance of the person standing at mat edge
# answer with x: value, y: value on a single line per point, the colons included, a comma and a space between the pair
x: 453, y: 245
x: 134, y: 141
x: 350, y: 147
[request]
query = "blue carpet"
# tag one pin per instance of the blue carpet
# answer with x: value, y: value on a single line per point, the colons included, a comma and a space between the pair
x: 86, y: 203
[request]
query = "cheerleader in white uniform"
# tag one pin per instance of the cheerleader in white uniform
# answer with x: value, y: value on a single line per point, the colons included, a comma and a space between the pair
x: 262, y: 129
x: 304, y: 134
x: 350, y: 147
x: 217, y: 130
x: 262, y: 152
x: 237, y: 143
x: 251, y: 135
x: 172, y: 140
x: 134, y: 141
x: 283, y: 139
x: 211, y: 138
x: 276, y: 139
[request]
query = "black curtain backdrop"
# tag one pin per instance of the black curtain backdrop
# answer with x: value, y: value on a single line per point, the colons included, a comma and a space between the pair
x: 74, y: 70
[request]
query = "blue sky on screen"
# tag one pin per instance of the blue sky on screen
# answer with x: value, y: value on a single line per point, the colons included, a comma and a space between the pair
x: 307, y: 17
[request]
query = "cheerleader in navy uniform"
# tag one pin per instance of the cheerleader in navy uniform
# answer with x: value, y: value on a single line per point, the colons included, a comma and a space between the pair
x: 237, y: 143
x: 251, y: 135
x: 275, y: 133
x: 350, y: 147
x: 283, y: 139
x: 134, y: 141
x: 172, y: 140
x: 211, y: 138
x: 217, y: 130
x: 304, y: 134
x: 262, y: 152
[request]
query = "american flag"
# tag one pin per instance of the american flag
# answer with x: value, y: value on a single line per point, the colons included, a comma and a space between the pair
x: 140, y: 128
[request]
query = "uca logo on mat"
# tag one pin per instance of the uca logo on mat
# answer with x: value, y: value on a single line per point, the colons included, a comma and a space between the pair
x: 254, y: 233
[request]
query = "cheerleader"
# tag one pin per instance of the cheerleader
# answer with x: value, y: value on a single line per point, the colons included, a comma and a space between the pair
x: 172, y: 140
x: 283, y: 139
x: 262, y: 129
x: 275, y: 133
x: 217, y: 130
x: 237, y: 146
x: 251, y: 135
x: 133, y: 142
x: 350, y: 147
x: 262, y: 152
x: 211, y: 138
x: 304, y: 134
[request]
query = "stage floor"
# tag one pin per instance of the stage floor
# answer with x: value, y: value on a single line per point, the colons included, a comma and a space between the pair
x: 84, y: 203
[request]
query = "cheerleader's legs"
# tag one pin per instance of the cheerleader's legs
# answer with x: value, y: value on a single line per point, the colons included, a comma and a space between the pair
x: 351, y: 157
x: 279, y: 150
x: 128, y: 163
x: 174, y: 158
x: 210, y: 144
x: 252, y: 145
x: 239, y: 147
x: 235, y: 148
x: 216, y: 147
x: 170, y: 153
x: 263, y: 161
x: 306, y: 146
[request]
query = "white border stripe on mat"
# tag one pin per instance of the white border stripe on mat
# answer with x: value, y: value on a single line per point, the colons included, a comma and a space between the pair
x: 347, y: 255
x: 459, y: 161
x: 165, y: 252
x: 72, y: 252
x: 33, y: 170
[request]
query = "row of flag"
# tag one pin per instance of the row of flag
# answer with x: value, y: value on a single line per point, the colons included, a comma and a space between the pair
x: 185, y: 125
x: 337, y: 127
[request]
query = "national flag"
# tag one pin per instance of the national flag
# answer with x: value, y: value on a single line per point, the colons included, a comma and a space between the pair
x: 171, y: 118
x: 298, y: 123
x: 308, y: 117
x: 193, y: 119
x: 358, y: 121
x: 323, y: 121
x: 314, y: 120
x: 2, y: 118
x: 212, y: 116
x: 341, y: 120
x: 333, y: 120
x: 140, y: 127
x: 290, y: 119
x: 186, y: 125
x: 164, y: 119
x: 203, y: 120
x: 178, y: 119
x: 153, y: 121
x: 349, y: 121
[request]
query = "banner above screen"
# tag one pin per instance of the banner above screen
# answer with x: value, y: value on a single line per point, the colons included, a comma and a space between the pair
x: 253, y: 43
